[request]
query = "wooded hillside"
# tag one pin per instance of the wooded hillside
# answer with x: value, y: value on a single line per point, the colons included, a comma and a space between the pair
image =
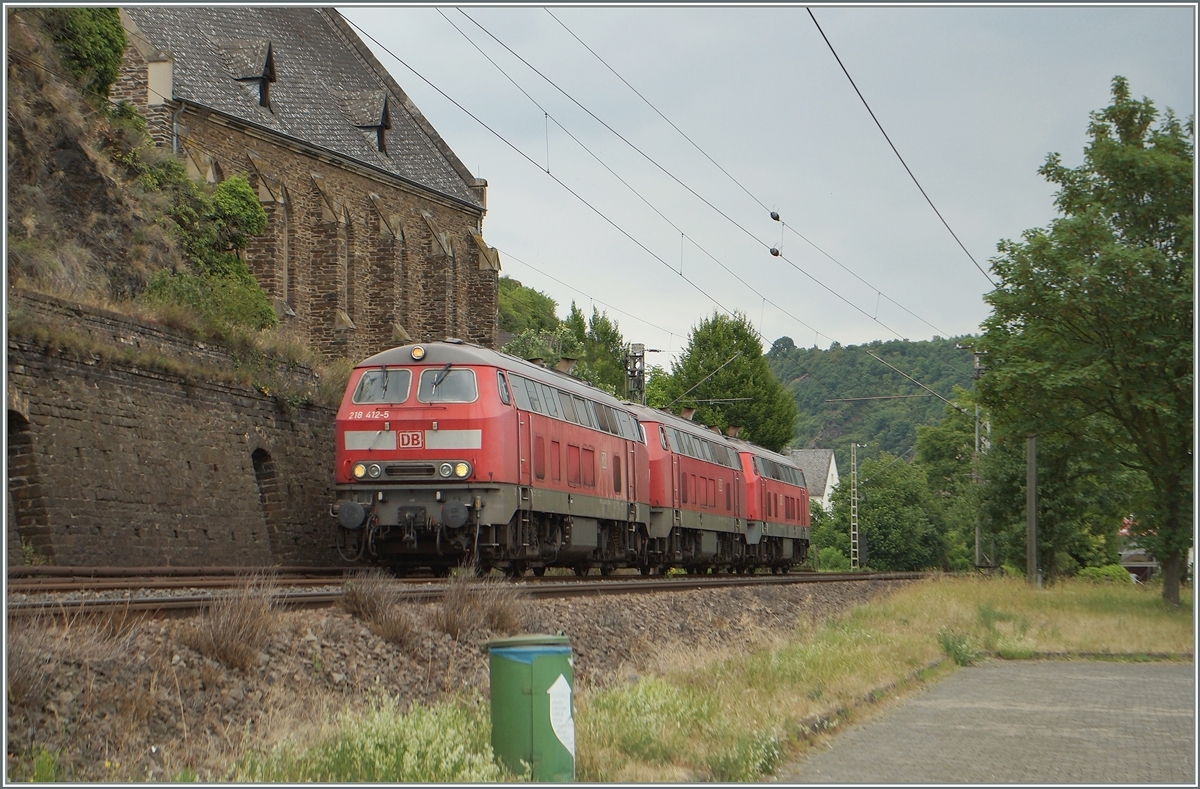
x: 814, y: 376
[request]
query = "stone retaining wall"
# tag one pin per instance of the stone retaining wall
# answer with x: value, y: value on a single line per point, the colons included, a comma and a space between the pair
x: 115, y: 464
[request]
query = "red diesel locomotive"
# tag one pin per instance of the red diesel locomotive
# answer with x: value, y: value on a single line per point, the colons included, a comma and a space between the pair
x: 449, y: 453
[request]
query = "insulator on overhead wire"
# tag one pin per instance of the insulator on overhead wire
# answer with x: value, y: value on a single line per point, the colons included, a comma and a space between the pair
x: 774, y: 251
x: 775, y: 215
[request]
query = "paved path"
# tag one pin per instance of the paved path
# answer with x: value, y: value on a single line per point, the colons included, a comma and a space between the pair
x: 1026, y: 722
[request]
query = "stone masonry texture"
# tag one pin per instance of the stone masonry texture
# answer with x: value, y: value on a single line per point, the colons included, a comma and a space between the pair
x: 110, y: 463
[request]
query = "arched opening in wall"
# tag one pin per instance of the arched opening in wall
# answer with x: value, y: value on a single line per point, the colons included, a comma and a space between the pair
x: 28, y: 530
x: 270, y: 494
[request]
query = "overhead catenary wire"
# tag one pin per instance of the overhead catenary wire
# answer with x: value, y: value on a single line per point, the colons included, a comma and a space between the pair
x: 630, y: 187
x: 659, y: 112
x: 636, y: 92
x: 529, y: 159
x: 897, y: 152
x: 754, y: 290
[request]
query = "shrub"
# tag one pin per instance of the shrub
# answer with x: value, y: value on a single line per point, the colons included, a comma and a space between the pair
x: 755, y: 755
x: 1109, y: 574
x: 91, y: 42
x: 234, y: 628
x: 831, y: 559
x: 957, y: 647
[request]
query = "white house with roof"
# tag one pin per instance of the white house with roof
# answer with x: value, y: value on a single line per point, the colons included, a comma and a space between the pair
x: 820, y: 473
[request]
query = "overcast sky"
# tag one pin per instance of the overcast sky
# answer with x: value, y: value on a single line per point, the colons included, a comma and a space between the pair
x: 972, y: 97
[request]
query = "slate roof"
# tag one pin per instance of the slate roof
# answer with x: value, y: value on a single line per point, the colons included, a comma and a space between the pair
x: 815, y: 465
x: 329, y: 90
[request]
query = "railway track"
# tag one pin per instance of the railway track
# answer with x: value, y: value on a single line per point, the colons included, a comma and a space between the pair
x: 66, y: 591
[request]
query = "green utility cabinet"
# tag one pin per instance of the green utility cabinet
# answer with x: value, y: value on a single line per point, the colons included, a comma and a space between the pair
x: 533, y: 712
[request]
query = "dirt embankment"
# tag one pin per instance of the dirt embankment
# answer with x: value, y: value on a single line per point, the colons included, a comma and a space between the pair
x: 132, y: 701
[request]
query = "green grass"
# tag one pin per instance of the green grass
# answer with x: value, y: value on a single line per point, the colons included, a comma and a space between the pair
x: 735, y: 718
x: 448, y: 742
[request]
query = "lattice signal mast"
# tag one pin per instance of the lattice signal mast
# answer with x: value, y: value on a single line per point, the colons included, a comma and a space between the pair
x: 854, y: 505
x: 635, y: 372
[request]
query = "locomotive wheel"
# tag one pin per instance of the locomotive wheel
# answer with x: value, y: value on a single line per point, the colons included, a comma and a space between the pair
x: 646, y: 569
x: 539, y: 571
x: 581, y: 570
x: 514, y: 569
x: 442, y: 571
x: 606, y: 569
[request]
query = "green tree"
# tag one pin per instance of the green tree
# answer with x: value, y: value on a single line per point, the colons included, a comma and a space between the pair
x: 91, y: 42
x: 723, y: 374
x: 658, y: 385
x: 1090, y: 338
x: 815, y: 376
x: 549, y: 345
x: 1082, y: 495
x: 603, y: 348
x: 522, y: 308
x: 896, y: 516
x: 946, y: 451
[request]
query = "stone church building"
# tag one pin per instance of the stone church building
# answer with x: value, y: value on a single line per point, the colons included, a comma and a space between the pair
x: 375, y: 226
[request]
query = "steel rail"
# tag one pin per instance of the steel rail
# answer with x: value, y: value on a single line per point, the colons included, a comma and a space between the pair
x: 431, y: 592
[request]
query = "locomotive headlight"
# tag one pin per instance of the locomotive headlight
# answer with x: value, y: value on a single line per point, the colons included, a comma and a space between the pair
x: 418, y: 353
x: 360, y: 470
x: 446, y: 469
x: 462, y: 470
x: 374, y: 470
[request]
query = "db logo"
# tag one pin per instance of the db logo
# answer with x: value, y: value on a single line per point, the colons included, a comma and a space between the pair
x: 411, y: 439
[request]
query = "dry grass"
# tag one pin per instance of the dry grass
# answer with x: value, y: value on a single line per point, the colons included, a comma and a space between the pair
x: 235, y: 628
x: 38, y: 648
x: 371, y: 596
x: 473, y: 604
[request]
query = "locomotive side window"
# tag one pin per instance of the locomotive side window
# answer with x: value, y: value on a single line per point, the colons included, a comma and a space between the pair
x: 520, y: 393
x: 582, y: 411
x: 548, y: 400
x: 662, y: 437
x: 453, y: 386
x: 383, y: 386
x: 568, y: 407
x: 503, y: 388
x: 534, y: 401
x: 602, y: 412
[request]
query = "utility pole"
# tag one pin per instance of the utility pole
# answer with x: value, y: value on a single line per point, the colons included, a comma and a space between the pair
x: 1031, y: 519
x: 854, y: 505
x: 977, y: 371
